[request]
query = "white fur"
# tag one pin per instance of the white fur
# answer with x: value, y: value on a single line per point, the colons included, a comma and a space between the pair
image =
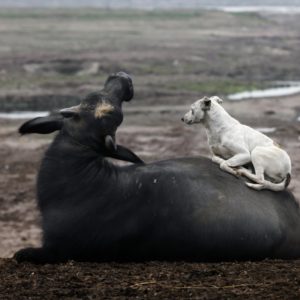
x: 233, y: 145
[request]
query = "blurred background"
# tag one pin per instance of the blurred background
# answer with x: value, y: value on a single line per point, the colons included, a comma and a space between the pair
x: 52, y: 53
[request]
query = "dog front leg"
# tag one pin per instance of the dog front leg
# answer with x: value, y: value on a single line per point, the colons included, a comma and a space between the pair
x: 235, y: 161
x: 217, y: 159
x: 222, y: 163
x: 239, y: 160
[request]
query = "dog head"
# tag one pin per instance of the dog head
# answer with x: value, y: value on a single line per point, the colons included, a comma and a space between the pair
x: 199, y: 109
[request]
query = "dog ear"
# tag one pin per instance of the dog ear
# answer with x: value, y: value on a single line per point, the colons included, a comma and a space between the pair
x: 217, y: 99
x: 42, y: 125
x: 206, y: 103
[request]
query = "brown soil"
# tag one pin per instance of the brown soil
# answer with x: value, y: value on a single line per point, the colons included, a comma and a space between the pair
x: 159, y: 280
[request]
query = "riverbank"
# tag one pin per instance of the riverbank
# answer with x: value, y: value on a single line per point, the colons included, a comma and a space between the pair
x: 52, y: 58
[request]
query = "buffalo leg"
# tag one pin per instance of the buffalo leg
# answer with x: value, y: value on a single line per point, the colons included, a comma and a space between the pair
x: 37, y: 256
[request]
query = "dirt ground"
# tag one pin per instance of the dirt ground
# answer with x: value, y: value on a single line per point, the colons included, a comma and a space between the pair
x: 182, y: 49
x: 152, y: 280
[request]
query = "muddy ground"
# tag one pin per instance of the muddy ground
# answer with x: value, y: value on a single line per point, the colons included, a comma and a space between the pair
x: 151, y: 280
x: 175, y: 58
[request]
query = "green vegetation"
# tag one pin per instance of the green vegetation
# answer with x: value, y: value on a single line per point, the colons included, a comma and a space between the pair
x: 251, y: 18
x: 162, y: 69
x: 210, y: 87
x: 248, y: 15
x: 19, y: 82
x: 88, y: 14
x: 214, y: 87
x: 95, y: 14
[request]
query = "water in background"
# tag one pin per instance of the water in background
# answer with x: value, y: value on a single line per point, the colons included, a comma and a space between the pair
x: 23, y: 115
x: 278, y: 6
x: 264, y: 9
x: 283, y: 89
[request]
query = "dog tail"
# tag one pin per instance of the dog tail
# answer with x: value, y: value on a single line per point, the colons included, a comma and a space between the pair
x: 268, y: 185
x: 278, y: 186
x: 287, y: 180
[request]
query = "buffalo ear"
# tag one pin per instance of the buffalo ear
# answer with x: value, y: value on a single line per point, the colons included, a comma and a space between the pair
x: 42, y: 125
x: 110, y: 143
x: 123, y: 153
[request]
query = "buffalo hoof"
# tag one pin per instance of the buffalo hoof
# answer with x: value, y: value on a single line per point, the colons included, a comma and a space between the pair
x: 34, y: 255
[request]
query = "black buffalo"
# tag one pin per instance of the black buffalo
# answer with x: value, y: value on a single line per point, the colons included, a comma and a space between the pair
x: 178, y: 209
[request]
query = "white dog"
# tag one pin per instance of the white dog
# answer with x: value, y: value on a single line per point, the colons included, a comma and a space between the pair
x: 233, y: 145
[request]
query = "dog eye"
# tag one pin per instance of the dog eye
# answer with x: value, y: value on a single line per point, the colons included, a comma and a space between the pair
x: 89, y: 107
x: 86, y: 106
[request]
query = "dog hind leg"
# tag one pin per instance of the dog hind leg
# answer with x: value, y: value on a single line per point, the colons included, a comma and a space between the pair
x: 258, y: 177
x: 261, y: 183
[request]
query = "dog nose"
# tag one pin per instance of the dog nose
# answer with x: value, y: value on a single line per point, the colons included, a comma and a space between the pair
x: 182, y: 119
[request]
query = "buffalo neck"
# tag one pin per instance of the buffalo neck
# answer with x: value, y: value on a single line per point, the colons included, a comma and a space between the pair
x: 70, y: 168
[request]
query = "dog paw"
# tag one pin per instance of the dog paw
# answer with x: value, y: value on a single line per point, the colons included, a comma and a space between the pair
x: 239, y: 172
x: 236, y: 172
